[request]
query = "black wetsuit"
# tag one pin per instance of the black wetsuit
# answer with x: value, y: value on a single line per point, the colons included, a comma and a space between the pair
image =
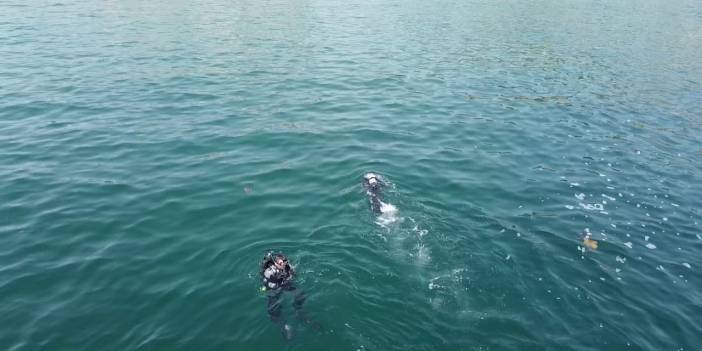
x: 373, y: 191
x: 276, y: 281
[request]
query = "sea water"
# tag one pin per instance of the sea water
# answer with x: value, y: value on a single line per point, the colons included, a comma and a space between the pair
x: 151, y: 152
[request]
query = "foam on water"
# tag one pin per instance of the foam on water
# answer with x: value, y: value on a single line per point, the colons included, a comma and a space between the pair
x: 387, y: 216
x: 422, y: 253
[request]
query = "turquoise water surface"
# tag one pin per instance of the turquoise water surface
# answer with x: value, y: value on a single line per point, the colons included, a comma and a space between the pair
x: 151, y: 152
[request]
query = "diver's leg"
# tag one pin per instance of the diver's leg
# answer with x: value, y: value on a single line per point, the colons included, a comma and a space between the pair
x: 376, y: 204
x: 275, y: 312
x: 274, y: 305
x: 298, y: 296
x: 298, y: 300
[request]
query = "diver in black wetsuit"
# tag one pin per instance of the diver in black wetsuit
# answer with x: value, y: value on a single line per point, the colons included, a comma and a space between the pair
x: 277, y: 275
x: 372, y: 183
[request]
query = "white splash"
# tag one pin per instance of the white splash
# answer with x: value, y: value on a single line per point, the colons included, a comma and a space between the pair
x: 387, y: 208
x: 628, y: 244
x: 620, y: 259
x: 592, y: 207
x: 433, y: 285
x: 388, y: 214
x: 580, y: 196
x: 650, y: 246
x: 686, y: 265
x: 609, y: 197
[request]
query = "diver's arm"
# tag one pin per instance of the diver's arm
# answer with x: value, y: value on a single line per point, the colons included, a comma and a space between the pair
x: 290, y: 274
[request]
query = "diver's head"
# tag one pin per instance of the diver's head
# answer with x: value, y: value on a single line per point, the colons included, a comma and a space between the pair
x: 371, y: 178
x: 280, y: 261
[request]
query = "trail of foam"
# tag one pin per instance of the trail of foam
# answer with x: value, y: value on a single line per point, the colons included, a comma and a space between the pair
x: 396, y: 229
